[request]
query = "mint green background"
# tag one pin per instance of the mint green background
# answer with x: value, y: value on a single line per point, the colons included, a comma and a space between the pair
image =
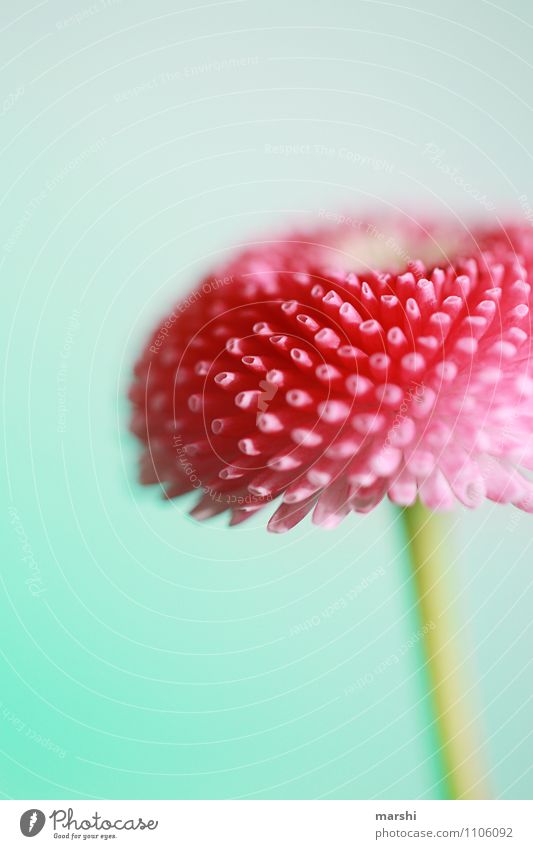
x: 159, y: 657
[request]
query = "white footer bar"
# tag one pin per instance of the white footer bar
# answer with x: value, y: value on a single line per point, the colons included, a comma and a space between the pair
x: 266, y: 824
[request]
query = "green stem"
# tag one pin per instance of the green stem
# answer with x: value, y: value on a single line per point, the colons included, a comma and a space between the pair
x: 459, y: 748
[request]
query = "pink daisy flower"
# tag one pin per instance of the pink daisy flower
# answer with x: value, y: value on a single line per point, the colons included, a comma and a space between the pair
x: 337, y: 367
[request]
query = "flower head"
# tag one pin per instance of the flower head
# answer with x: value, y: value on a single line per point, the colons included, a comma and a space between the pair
x: 336, y: 367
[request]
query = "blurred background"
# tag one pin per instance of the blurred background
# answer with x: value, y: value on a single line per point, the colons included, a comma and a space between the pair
x: 144, y: 655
